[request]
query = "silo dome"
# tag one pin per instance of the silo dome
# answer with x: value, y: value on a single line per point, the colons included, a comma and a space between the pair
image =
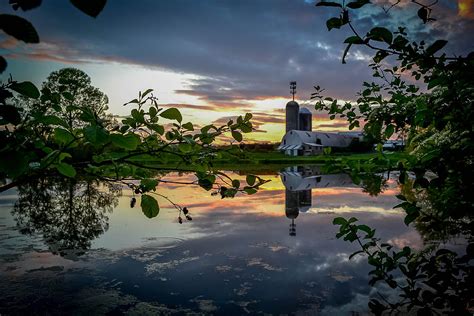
x: 292, y: 116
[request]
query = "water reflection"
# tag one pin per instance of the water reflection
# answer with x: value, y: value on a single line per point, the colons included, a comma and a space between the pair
x: 235, y: 257
x: 68, y: 213
x: 299, y: 182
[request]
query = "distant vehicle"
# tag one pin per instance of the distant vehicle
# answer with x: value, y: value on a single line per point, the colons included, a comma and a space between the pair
x: 392, y: 145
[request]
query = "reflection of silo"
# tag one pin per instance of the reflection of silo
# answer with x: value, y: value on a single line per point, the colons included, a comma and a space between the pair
x: 305, y: 120
x: 304, y: 200
x: 291, y: 209
x: 292, y: 116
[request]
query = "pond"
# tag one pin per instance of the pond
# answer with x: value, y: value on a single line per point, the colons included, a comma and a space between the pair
x: 79, y: 248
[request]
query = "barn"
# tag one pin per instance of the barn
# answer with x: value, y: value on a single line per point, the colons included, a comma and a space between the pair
x: 306, y: 143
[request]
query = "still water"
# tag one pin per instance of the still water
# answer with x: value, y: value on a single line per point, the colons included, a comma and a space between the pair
x: 84, y: 250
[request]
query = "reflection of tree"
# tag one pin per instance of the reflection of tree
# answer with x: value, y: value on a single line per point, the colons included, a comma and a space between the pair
x: 373, y: 184
x: 69, y: 213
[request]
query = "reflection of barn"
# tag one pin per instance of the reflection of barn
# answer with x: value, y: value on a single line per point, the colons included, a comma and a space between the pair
x: 298, y: 182
x: 300, y: 140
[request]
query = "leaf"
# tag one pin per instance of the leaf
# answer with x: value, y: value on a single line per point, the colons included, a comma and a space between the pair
x: 66, y: 170
x: 423, y: 14
x: 380, y: 34
x: 355, y: 253
x: 436, y: 46
x: 172, y: 114
x: 364, y: 228
x: 339, y: 221
x: 63, y: 136
x: 26, y: 89
x: 149, y: 206
x: 328, y: 4
x: 129, y: 141
x: 96, y: 135
x: 250, y: 179
x: 188, y: 126
x: 357, y: 4
x: 250, y: 191
x: 236, y: 183
x: 411, y: 217
x: 389, y: 131
x: 148, y: 184
x: 19, y: 28
x: 237, y: 136
x: 158, y: 128
x: 333, y: 23
x: 3, y: 64
x: 25, y: 5
x: 51, y: 120
x: 9, y: 114
x: 353, y: 40
x: 153, y: 111
x: 146, y: 92
x: 90, y: 7
x: 380, y: 55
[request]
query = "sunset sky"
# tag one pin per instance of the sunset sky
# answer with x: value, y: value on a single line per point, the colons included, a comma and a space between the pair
x: 218, y: 59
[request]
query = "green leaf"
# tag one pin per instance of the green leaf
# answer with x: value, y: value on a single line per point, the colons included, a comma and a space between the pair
x: 67, y: 95
x: 19, y: 28
x: 250, y: 179
x: 96, y: 135
x: 157, y: 128
x: 436, y: 46
x: 237, y: 136
x: 333, y: 23
x: 90, y: 7
x: 354, y: 40
x: 389, y: 131
x: 236, y: 183
x: 129, y: 141
x: 63, y: 136
x: 328, y: 4
x: 148, y: 184
x: 357, y: 4
x: 423, y: 14
x: 9, y: 114
x: 380, y: 55
x: 146, y: 92
x: 188, y: 126
x: 339, y: 221
x: 26, y: 89
x: 3, y: 64
x: 51, y: 120
x: 66, y: 170
x: 380, y: 34
x: 153, y: 111
x: 172, y: 114
x: 364, y: 228
x: 149, y: 206
x: 250, y: 191
x: 355, y: 253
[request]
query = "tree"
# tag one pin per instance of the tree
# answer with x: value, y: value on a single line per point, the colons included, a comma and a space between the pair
x: 435, y: 179
x: 75, y: 86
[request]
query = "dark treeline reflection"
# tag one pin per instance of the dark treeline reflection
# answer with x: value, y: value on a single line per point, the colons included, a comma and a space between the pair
x: 68, y: 213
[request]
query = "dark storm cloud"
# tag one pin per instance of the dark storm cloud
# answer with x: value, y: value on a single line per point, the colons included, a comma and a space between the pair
x: 241, y: 49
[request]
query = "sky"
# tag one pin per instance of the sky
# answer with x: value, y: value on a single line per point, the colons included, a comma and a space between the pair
x: 215, y: 60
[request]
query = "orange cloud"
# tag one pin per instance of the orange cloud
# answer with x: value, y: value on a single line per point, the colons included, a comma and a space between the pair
x: 466, y: 8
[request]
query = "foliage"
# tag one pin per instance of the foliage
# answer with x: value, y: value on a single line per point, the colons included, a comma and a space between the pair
x: 436, y: 119
x: 57, y: 134
x: 22, y: 30
x: 429, y: 282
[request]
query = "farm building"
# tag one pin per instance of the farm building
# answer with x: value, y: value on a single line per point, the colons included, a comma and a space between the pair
x: 300, y: 140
